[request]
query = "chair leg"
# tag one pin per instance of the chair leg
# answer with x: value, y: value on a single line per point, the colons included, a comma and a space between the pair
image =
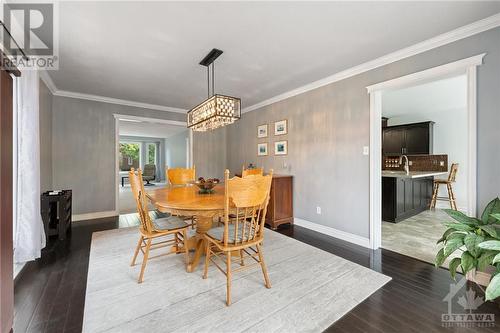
x: 451, y: 197
x: 186, y: 250
x: 176, y: 246
x: 434, y: 196
x: 242, y: 260
x: 208, y: 253
x: 144, y: 260
x: 138, y: 247
x: 263, y: 265
x: 228, y: 275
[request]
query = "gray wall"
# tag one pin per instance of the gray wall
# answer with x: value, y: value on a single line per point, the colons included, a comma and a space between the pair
x: 45, y: 107
x: 210, y: 153
x: 175, y: 150
x: 83, y: 145
x: 329, y: 126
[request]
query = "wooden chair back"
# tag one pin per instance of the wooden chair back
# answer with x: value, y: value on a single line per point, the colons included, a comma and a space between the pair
x: 137, y: 185
x: 180, y: 176
x: 453, y: 172
x: 250, y: 172
x: 247, y: 198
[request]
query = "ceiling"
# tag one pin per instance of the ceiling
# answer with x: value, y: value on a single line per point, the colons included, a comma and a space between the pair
x: 149, y: 52
x: 449, y: 94
x: 149, y: 129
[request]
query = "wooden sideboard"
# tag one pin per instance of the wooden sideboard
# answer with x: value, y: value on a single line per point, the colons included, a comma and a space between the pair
x: 280, y: 209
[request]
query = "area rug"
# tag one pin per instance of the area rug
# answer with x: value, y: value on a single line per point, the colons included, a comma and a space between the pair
x: 311, y: 289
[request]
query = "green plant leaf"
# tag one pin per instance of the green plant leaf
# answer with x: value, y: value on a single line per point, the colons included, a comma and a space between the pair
x: 452, y: 245
x: 462, y: 218
x: 493, y: 207
x: 493, y: 290
x: 458, y: 226
x: 496, y: 217
x: 456, y: 234
x: 467, y: 262
x: 471, y: 242
x: 454, y: 263
x: 490, y: 245
x: 490, y: 230
x: 439, y: 258
x: 485, y: 259
x: 446, y: 233
x: 496, y: 259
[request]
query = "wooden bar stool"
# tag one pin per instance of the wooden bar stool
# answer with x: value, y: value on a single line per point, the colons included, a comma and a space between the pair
x: 451, y: 196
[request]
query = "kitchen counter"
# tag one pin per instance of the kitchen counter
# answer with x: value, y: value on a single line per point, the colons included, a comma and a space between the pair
x: 412, y: 175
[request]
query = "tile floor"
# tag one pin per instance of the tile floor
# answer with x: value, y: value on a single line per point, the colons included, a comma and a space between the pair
x: 416, y: 236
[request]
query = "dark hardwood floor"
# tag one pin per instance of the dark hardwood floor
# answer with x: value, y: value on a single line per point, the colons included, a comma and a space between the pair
x: 50, y: 293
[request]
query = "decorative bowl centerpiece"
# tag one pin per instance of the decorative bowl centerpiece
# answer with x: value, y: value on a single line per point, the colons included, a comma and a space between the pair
x: 206, y: 185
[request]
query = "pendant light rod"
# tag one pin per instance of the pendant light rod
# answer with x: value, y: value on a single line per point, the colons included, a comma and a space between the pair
x: 209, y: 61
x: 210, y: 57
x: 213, y: 78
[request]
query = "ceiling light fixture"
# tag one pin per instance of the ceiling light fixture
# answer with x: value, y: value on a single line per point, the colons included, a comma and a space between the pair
x: 217, y: 110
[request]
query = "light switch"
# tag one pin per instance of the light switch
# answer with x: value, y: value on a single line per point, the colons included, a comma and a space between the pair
x: 366, y: 150
x: 441, y: 163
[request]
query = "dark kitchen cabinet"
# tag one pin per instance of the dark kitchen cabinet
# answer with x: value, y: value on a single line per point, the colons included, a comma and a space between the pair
x: 393, y: 141
x: 405, y: 197
x: 410, y: 139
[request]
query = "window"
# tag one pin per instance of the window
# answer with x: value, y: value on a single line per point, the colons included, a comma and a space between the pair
x: 151, y: 158
x: 129, y: 155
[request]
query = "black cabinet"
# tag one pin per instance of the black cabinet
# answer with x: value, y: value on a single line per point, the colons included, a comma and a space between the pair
x: 410, y: 139
x: 405, y: 197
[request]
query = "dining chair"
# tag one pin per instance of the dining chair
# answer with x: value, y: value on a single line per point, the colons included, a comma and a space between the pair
x: 247, y: 198
x: 449, y: 186
x: 173, y: 228
x: 249, y: 172
x: 180, y: 176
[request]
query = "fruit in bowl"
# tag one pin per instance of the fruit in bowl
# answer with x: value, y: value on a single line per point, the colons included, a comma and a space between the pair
x: 206, y: 185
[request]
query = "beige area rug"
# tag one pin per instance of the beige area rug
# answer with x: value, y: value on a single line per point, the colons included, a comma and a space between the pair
x: 311, y: 289
x: 416, y: 236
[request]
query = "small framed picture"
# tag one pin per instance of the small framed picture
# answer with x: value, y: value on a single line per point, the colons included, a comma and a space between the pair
x: 262, y: 131
x: 281, y: 147
x: 280, y: 127
x: 262, y: 149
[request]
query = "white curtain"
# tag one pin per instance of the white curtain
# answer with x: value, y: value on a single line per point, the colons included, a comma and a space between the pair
x: 29, y: 235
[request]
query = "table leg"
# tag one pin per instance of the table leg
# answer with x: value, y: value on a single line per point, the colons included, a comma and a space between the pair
x: 203, y: 224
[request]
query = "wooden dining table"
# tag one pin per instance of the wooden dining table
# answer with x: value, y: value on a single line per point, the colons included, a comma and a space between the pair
x: 187, y: 201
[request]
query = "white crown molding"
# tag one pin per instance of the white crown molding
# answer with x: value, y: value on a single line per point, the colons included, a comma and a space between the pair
x: 440, y: 40
x: 429, y: 74
x: 64, y: 93
x: 477, y: 27
x: 48, y: 81
x: 111, y: 100
x: 346, y: 236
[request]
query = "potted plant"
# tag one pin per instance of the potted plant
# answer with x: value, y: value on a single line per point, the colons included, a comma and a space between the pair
x: 479, y: 242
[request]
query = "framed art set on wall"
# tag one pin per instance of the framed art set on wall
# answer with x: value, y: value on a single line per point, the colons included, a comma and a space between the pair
x: 280, y: 147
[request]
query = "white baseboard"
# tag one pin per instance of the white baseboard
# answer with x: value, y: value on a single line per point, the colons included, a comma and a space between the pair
x: 96, y: 215
x: 346, y: 236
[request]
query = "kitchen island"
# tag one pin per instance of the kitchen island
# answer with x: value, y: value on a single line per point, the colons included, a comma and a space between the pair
x: 405, y: 195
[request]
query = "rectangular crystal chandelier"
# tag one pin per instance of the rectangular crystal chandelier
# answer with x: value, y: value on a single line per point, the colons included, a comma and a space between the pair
x: 215, y: 112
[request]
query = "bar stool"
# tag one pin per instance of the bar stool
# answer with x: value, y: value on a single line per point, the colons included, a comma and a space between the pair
x: 451, y: 196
